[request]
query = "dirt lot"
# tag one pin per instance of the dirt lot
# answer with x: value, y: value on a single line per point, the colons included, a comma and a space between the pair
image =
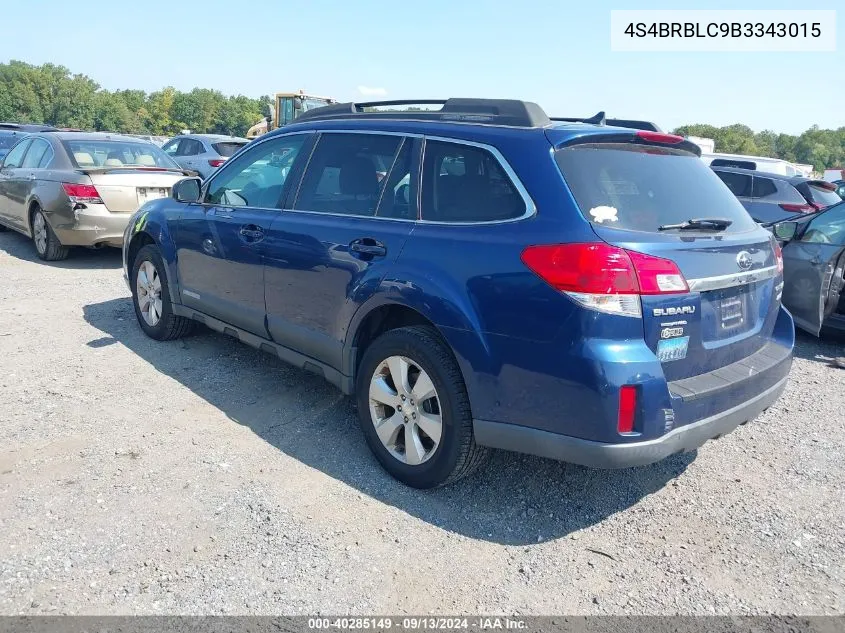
x: 201, y: 476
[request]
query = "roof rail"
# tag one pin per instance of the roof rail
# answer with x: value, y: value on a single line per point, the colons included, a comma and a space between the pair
x: 507, y: 112
x: 600, y: 119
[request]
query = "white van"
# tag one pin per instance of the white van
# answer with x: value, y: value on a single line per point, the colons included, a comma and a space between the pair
x: 757, y: 163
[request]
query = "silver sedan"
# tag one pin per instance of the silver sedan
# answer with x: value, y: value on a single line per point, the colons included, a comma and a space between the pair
x: 67, y: 189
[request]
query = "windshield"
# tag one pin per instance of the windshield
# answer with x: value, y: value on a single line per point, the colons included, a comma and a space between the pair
x: 824, y: 196
x: 228, y: 148
x: 113, y: 153
x: 640, y: 188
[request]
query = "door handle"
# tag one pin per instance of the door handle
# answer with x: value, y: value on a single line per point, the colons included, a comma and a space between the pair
x: 32, y: 176
x: 816, y: 261
x: 368, y: 246
x: 251, y: 233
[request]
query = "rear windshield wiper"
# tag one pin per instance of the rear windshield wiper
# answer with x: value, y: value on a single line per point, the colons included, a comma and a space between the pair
x: 716, y: 224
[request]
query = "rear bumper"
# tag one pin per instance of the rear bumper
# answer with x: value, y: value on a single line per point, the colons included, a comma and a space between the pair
x: 601, y: 455
x: 90, y: 227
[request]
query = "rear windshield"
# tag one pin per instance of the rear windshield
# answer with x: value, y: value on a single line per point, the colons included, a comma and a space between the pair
x: 640, y: 188
x: 108, y: 153
x: 228, y: 148
x: 7, y: 139
x: 824, y: 196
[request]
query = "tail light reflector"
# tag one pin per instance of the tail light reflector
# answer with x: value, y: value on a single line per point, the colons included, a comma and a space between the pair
x: 604, y: 277
x: 82, y: 193
x: 216, y: 162
x: 778, y: 254
x: 798, y: 208
x: 627, y: 409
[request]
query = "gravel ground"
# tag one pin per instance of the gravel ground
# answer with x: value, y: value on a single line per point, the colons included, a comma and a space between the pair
x: 201, y: 476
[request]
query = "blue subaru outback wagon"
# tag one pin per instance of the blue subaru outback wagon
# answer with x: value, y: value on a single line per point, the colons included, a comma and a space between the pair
x: 481, y: 276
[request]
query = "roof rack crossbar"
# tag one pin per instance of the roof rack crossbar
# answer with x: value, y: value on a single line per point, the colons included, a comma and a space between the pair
x: 507, y: 112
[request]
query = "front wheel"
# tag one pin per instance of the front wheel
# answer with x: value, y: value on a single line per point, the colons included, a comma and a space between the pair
x: 414, y: 409
x: 151, y: 298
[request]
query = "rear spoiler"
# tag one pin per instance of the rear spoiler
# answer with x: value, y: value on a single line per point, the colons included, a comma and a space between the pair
x: 108, y: 170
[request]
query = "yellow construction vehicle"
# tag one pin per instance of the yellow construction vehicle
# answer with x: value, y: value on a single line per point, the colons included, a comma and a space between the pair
x: 287, y: 107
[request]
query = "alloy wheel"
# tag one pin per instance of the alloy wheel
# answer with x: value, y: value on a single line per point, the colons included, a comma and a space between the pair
x: 148, y: 287
x: 405, y: 410
x: 39, y: 230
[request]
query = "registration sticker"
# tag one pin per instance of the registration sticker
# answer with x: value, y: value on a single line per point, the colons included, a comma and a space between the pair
x: 672, y: 349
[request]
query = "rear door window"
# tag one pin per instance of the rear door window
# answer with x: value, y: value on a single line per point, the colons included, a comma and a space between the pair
x: 763, y: 187
x: 465, y: 183
x: 36, y: 153
x: 739, y: 184
x: 189, y: 147
x: 640, y: 188
x: 227, y: 148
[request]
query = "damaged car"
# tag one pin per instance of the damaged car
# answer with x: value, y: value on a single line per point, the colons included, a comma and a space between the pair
x: 814, y: 262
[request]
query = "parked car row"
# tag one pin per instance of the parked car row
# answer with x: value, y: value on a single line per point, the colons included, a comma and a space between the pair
x: 769, y: 197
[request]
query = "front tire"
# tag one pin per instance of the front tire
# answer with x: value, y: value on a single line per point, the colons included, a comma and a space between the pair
x: 47, y: 245
x: 151, y: 298
x: 414, y: 409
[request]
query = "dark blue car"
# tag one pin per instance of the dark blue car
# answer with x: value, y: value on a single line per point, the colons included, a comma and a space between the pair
x: 481, y: 276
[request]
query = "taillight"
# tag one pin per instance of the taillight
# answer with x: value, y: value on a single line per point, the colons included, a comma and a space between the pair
x: 798, y: 208
x: 82, y: 193
x: 659, y: 137
x: 778, y: 254
x: 627, y: 409
x: 604, y: 277
x: 216, y: 162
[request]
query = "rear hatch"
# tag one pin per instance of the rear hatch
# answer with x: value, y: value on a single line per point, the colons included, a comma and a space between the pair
x: 124, y: 190
x: 639, y: 193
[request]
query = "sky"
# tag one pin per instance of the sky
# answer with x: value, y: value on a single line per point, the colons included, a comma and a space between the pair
x: 554, y: 53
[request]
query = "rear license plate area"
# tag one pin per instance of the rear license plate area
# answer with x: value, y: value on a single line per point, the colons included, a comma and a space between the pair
x: 731, y: 313
x: 151, y: 193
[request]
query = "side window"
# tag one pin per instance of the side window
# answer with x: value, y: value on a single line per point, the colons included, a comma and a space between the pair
x: 171, y: 148
x: 396, y: 198
x: 828, y: 227
x: 464, y: 183
x: 347, y: 173
x: 36, y: 152
x: 189, y: 147
x: 47, y: 159
x: 763, y: 187
x: 739, y: 184
x: 15, y: 156
x: 257, y: 177
x: 789, y: 194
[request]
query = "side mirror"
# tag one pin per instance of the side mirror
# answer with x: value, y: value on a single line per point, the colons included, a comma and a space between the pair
x: 785, y: 231
x: 187, y: 190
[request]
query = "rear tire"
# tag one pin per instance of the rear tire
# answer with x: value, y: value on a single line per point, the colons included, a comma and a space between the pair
x: 151, y: 298
x: 439, y: 455
x: 47, y: 245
